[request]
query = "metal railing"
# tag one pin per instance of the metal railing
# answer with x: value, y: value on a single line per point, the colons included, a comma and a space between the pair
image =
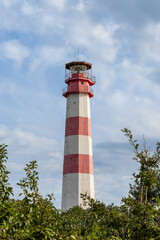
x: 65, y: 90
x: 68, y: 75
x: 91, y: 90
x: 86, y: 75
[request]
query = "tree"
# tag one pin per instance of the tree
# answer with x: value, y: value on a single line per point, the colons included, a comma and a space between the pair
x: 148, y: 176
x: 5, y: 188
x: 143, y: 214
x: 35, y: 217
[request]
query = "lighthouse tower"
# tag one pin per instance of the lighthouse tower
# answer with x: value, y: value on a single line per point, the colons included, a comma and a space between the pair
x: 78, y: 162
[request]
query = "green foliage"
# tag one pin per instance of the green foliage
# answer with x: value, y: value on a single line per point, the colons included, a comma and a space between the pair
x: 5, y: 189
x: 143, y: 212
x: 35, y: 217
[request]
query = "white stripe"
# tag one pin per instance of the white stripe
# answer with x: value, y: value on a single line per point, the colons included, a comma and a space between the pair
x: 73, y: 185
x: 78, y: 104
x: 86, y: 185
x: 78, y: 144
x: 69, y: 191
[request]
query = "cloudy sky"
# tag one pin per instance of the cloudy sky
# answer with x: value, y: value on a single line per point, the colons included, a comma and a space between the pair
x: 122, y: 41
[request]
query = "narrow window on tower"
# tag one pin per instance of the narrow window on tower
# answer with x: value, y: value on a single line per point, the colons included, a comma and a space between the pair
x: 82, y: 83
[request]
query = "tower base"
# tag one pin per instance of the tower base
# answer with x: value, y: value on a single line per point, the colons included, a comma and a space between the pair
x: 73, y: 185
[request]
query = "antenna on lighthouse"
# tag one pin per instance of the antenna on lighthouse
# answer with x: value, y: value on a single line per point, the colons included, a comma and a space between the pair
x: 78, y: 55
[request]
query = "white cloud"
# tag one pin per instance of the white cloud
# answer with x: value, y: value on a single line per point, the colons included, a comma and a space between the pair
x: 14, y: 51
x: 8, y: 3
x: 31, y: 17
x: 81, y: 6
x: 135, y: 13
x: 60, y: 4
x: 149, y: 47
x: 48, y: 56
x: 73, y: 27
x: 110, y: 188
x: 25, y: 146
x: 126, y: 93
x: 28, y: 142
x: 129, y: 98
x: 137, y: 77
x: 27, y: 9
x: 97, y: 39
x: 7, y: 87
x: 138, y: 113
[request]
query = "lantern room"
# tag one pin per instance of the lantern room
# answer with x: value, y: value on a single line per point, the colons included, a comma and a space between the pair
x: 78, y: 77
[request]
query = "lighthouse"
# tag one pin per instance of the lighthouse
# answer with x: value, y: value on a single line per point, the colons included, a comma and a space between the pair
x: 78, y: 161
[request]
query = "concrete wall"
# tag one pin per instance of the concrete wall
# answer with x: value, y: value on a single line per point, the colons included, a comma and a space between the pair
x: 69, y: 191
x: 78, y: 144
x: 73, y: 185
x: 77, y: 152
x: 78, y: 104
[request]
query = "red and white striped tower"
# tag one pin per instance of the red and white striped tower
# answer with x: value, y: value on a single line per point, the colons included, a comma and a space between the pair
x: 78, y: 162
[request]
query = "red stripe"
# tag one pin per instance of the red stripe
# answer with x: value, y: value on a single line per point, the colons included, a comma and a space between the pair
x: 78, y: 163
x: 78, y: 126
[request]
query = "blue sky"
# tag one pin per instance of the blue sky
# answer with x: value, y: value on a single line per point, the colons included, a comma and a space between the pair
x: 122, y: 41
